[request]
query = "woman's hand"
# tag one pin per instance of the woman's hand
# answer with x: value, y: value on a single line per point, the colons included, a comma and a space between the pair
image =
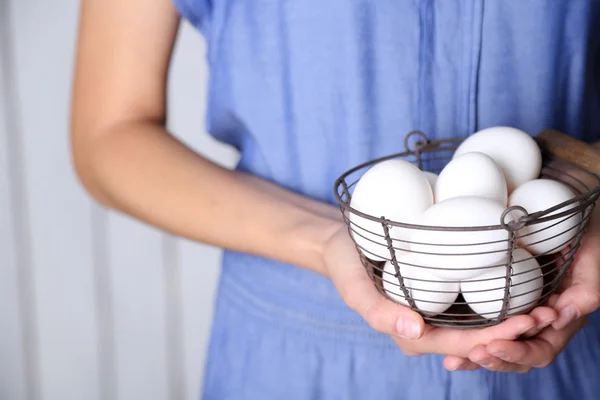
x: 407, y: 328
x: 522, y: 356
x: 579, y: 296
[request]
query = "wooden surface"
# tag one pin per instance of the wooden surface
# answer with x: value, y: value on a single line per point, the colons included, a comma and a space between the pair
x: 569, y: 149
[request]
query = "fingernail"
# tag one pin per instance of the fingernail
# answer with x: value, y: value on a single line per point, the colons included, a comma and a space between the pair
x: 567, y: 315
x: 407, y: 329
x: 457, y: 367
x: 525, y: 330
x: 545, y: 324
x: 501, y: 355
x: 531, y: 331
x: 486, y: 362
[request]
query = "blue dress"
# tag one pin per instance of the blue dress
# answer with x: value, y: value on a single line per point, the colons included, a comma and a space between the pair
x: 307, y: 89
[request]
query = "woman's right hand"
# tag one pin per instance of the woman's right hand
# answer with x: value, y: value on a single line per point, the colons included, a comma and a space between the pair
x: 405, y: 326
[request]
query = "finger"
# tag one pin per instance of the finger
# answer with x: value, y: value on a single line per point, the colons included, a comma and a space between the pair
x: 498, y: 365
x: 453, y: 363
x: 510, y: 329
x: 360, y: 293
x: 582, y: 297
x: 389, y: 317
x: 577, y: 300
x: 480, y: 356
x: 381, y: 313
x: 552, y: 301
x: 544, y: 316
x: 459, y: 342
x: 539, y: 352
x: 471, y: 366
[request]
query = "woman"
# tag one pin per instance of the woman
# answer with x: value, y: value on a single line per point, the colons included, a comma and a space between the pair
x: 306, y: 89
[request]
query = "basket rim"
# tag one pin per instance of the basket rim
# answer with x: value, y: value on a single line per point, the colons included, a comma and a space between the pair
x: 585, y: 199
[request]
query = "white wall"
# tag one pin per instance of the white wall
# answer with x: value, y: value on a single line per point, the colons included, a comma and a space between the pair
x: 93, y: 305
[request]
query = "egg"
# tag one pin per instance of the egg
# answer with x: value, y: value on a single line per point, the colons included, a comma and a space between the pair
x: 471, y: 174
x: 554, y: 235
x: 461, y: 254
x: 432, y: 178
x: 394, y: 189
x: 485, y: 293
x: 432, y: 296
x: 513, y: 150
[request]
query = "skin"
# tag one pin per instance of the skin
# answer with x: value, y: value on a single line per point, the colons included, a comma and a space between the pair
x: 578, y: 297
x: 127, y: 161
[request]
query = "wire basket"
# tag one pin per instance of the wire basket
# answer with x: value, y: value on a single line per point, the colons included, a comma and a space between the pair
x: 522, y: 280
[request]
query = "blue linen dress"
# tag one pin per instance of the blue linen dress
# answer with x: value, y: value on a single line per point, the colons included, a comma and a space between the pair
x: 307, y: 89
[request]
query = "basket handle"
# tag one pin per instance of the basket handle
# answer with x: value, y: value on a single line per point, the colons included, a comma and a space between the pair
x: 570, y: 149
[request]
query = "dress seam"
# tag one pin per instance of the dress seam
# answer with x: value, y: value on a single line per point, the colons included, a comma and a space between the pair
x: 475, y: 55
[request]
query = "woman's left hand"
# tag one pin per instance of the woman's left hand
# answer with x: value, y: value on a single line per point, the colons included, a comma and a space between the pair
x: 520, y: 356
x: 579, y: 298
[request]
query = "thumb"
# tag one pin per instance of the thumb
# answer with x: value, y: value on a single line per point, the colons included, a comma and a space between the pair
x: 582, y: 293
x: 384, y: 315
x: 358, y: 290
x: 576, y: 301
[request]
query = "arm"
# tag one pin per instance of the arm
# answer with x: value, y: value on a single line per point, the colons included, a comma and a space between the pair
x: 128, y: 161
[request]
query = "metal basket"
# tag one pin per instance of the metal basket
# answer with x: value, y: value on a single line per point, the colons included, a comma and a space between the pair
x: 411, y: 291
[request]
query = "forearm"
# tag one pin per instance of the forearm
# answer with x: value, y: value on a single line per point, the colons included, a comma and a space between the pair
x: 141, y: 170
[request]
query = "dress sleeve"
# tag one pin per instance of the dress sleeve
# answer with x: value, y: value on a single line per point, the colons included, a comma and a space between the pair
x: 197, y: 12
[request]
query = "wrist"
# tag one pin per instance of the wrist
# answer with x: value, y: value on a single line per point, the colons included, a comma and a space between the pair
x: 310, y: 238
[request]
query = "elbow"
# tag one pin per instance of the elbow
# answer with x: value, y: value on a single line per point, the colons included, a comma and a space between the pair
x: 85, y: 159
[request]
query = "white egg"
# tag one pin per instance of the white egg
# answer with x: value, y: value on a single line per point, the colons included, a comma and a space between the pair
x: 396, y: 190
x: 432, y: 178
x: 431, y: 295
x: 485, y: 293
x: 461, y: 254
x: 554, y: 235
x: 515, y: 152
x: 471, y: 174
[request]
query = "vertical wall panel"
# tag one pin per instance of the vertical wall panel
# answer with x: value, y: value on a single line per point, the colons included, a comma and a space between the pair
x: 135, y: 256
x: 176, y: 377
x: 113, y: 309
x: 12, y: 374
x: 59, y: 210
x: 104, y: 308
